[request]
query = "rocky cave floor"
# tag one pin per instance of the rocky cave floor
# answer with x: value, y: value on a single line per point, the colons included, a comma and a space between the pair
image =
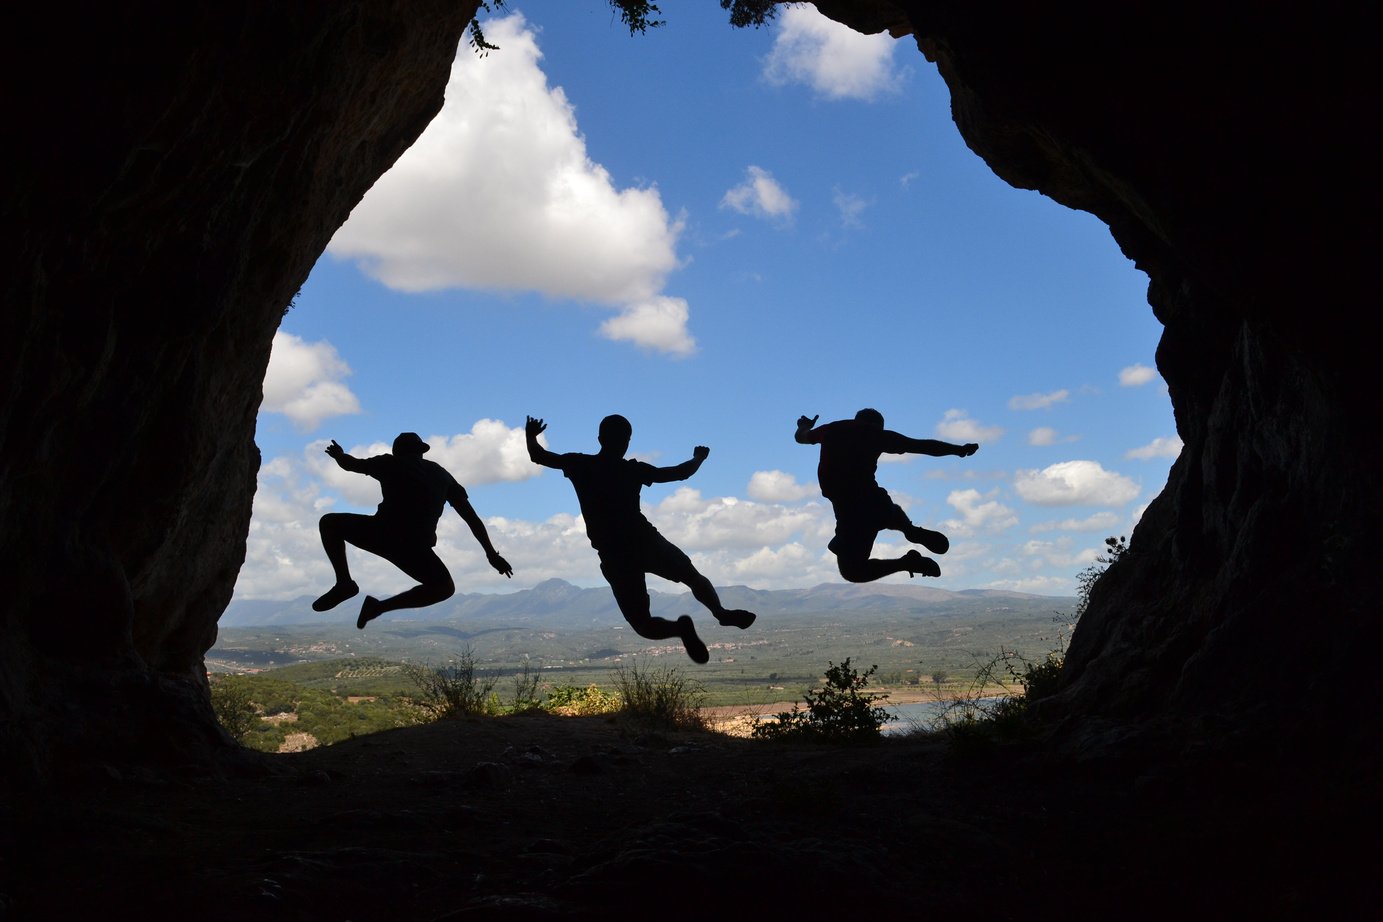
x: 537, y: 816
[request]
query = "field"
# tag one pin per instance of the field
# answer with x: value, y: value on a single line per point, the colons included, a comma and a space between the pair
x: 773, y: 661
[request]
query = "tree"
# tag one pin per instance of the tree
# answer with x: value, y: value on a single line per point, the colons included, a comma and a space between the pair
x: 234, y: 710
x: 641, y: 15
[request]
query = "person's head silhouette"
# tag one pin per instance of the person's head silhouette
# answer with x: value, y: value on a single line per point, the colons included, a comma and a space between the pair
x: 615, y: 433
x: 870, y: 417
x: 409, y: 445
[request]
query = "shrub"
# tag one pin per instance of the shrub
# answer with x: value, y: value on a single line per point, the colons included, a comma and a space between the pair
x: 235, y: 711
x: 661, y: 697
x: 973, y: 719
x: 575, y: 701
x: 840, y: 711
x: 1115, y: 548
x: 455, y: 690
x: 528, y: 694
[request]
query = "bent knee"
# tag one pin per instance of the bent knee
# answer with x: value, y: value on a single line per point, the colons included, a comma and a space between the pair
x: 853, y: 570
x: 444, y: 586
x: 639, y: 618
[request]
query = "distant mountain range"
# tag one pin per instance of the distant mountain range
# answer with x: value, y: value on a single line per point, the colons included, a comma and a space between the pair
x: 556, y: 603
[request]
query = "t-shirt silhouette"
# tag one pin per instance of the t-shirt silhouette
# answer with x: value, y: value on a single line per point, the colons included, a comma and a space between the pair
x: 415, y: 491
x: 850, y: 453
x: 608, y: 491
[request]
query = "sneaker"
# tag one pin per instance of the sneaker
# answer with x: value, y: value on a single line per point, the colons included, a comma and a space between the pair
x: 916, y: 563
x: 737, y: 618
x: 933, y: 541
x: 695, y: 648
x: 335, y: 595
x: 369, y: 611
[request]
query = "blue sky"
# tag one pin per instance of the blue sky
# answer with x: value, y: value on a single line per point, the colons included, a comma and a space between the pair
x: 713, y: 231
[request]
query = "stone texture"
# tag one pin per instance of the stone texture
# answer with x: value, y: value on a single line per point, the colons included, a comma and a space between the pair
x: 1219, y: 147
x: 181, y: 166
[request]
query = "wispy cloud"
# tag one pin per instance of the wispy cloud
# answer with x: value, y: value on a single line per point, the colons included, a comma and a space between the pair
x: 1136, y: 375
x: 1039, y: 401
x: 760, y: 196
x: 1162, y: 447
x: 1045, y: 435
x: 1099, y: 521
x: 850, y: 206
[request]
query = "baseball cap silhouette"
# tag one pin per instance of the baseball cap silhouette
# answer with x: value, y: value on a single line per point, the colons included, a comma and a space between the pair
x: 409, y: 443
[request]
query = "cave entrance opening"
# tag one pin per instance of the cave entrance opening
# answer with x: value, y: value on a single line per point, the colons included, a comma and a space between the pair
x: 714, y: 231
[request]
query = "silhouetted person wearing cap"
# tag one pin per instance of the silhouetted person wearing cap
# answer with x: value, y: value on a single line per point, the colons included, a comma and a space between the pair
x: 607, y: 485
x: 404, y: 529
x: 850, y: 450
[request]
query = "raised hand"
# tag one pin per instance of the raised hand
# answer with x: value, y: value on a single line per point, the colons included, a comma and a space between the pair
x: 335, y: 450
x: 500, y: 564
x: 968, y: 449
x: 804, y: 422
x: 700, y: 452
x: 534, y: 427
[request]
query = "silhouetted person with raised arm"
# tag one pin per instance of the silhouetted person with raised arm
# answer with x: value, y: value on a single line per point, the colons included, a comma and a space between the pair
x: 403, y: 530
x: 607, y: 486
x: 850, y: 450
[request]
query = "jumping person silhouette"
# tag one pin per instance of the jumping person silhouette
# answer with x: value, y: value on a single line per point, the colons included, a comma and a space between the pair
x: 850, y: 450
x: 403, y: 530
x: 607, y: 486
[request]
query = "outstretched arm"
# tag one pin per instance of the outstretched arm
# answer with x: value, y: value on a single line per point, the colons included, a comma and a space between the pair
x: 901, y: 444
x: 537, y: 453
x: 468, y: 515
x: 804, y: 434
x: 346, y: 462
x: 684, y: 470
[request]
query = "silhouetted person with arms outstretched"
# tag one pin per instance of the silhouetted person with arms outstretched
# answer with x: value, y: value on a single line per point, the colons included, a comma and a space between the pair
x: 850, y: 450
x: 403, y: 530
x: 607, y: 485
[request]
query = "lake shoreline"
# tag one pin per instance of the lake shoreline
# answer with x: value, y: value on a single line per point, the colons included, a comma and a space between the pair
x: 739, y: 719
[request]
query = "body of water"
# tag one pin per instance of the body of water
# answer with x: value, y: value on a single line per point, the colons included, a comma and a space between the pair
x: 904, y: 718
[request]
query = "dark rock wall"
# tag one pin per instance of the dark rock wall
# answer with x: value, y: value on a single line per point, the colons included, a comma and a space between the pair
x: 1219, y: 145
x: 181, y: 166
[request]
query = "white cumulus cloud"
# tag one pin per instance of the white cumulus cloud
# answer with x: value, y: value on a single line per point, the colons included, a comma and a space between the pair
x: 1038, y: 401
x: 1059, y: 553
x: 499, y: 193
x: 659, y: 323
x: 304, y: 382
x: 957, y: 426
x: 979, y: 512
x: 1037, y: 585
x: 834, y: 60
x: 1075, y: 483
x: 1161, y: 447
x: 1136, y: 375
x: 696, y: 523
x: 760, y: 196
x: 490, y: 453
x: 778, y: 487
